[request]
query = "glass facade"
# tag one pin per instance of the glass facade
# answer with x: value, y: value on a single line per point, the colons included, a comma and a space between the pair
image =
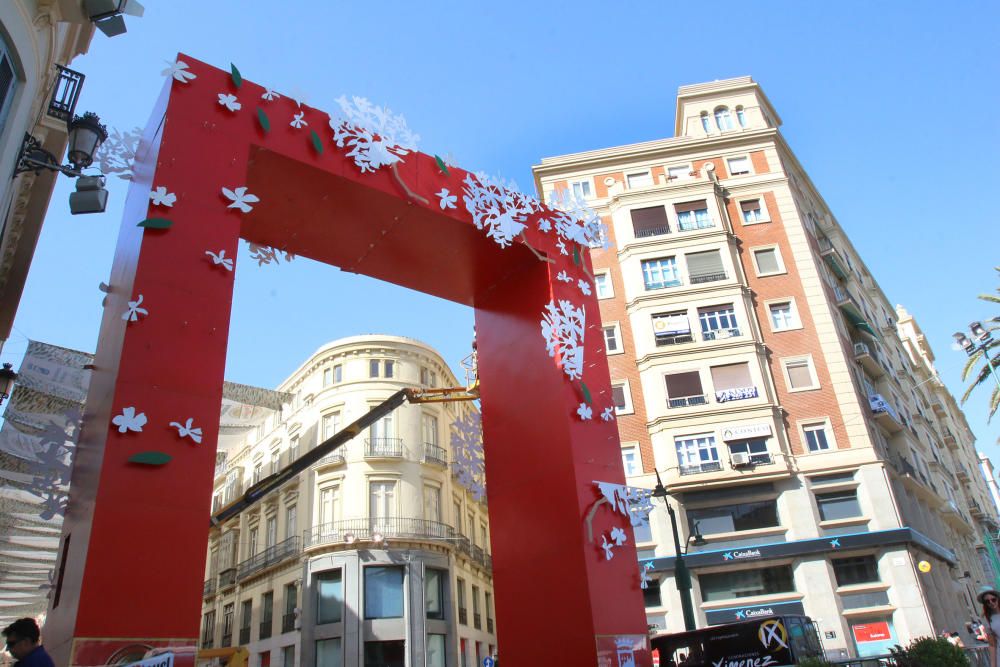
x: 383, y: 592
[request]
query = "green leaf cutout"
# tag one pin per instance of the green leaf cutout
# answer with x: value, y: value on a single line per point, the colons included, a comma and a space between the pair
x: 576, y: 254
x: 442, y: 166
x: 263, y: 120
x: 156, y: 223
x: 586, y: 394
x: 237, y: 79
x: 317, y: 143
x: 150, y: 458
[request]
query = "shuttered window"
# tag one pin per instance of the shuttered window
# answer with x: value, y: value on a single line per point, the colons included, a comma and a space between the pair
x: 650, y: 221
x: 705, y: 267
x: 767, y: 261
x: 731, y: 376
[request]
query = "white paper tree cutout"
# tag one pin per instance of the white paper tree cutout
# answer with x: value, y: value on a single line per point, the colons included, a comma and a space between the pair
x: 128, y: 420
x: 497, y: 206
x: 221, y: 259
x: 160, y: 197
x: 269, y: 95
x: 447, y: 199
x: 584, y: 286
x: 53, y: 465
x: 267, y: 255
x: 241, y: 198
x: 298, y: 120
x: 575, y: 221
x: 229, y: 101
x: 376, y: 136
x: 563, y: 277
x: 644, y: 580
x: 117, y: 153
x: 563, y: 328
x: 179, y: 71
x: 608, y: 414
x: 186, y: 430
x: 467, y: 452
x: 585, y: 412
x: 134, y: 311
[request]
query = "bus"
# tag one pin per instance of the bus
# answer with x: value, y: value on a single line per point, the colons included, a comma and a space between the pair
x: 771, y: 641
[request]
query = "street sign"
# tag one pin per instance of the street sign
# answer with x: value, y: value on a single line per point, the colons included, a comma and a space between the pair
x: 488, y: 661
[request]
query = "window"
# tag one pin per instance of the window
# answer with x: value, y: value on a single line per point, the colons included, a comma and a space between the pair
x: 630, y: 461
x: 799, y: 374
x: 328, y: 653
x: 373, y: 368
x: 327, y: 377
x: 429, y: 427
x: 718, y: 322
x: 288, y: 656
x: 266, y: 614
x: 428, y: 378
x: 291, y: 521
x: 272, y: 531
x: 275, y: 461
x: 693, y: 215
x: 741, y: 116
x: 328, y: 502
x: 602, y: 284
x: 258, y: 472
x: 752, y: 211
x: 838, y: 505
x: 330, y: 425
x: 462, y: 613
x: 856, y: 570
x: 390, y: 368
x: 434, y: 592
x: 477, y: 618
x: 704, y: 122
x: 252, y: 546
x: 705, y: 267
x: 8, y: 82
x: 783, y: 316
x: 293, y: 448
x: 723, y: 120
x: 815, y: 437
x: 581, y: 189
x: 621, y: 397
x: 246, y: 619
x: 612, y: 339
x: 208, y: 629
x: 754, y: 448
x: 432, y: 503
x: 835, y: 478
x: 650, y: 221
x: 684, y: 389
x: 338, y: 374
x: 732, y: 382
x: 678, y: 173
x: 651, y: 594
x: 640, y: 179
x: 228, y: 613
x: 768, y: 261
x: 671, y: 328
x: 291, y: 603
x: 381, y: 432
x: 435, y: 651
x: 738, y: 166
x: 383, y: 592
x: 659, y: 273
x: 733, y: 518
x: 746, y: 583
x: 457, y: 515
x: 697, y: 453
x: 382, y: 500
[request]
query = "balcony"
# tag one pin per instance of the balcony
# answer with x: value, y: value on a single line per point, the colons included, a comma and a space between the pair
x: 209, y: 588
x: 227, y: 640
x: 833, y: 258
x: 287, y: 623
x: 707, y: 278
x: 885, y: 415
x: 269, y: 557
x: 646, y: 232
x: 383, y: 448
x: 477, y: 620
x: 949, y: 438
x: 65, y: 94
x: 963, y: 474
x: 489, y: 625
x: 434, y: 454
x: 686, y: 401
x: 335, y: 459
x: 848, y: 305
x: 463, y: 615
x: 720, y: 334
x: 954, y: 516
x: 227, y: 578
x: 673, y: 339
x: 265, y: 628
x: 352, y: 530
x: 735, y: 394
x: 868, y: 359
x: 939, y: 409
x: 708, y: 466
x: 244, y: 636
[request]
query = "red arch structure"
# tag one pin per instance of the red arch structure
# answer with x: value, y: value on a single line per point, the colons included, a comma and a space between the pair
x: 135, y: 533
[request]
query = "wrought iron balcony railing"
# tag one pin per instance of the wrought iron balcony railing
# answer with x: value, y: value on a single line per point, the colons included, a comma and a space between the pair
x: 244, y: 636
x: 686, y: 401
x: 463, y: 615
x: 477, y: 621
x: 351, y: 530
x: 646, y: 232
x: 435, y: 454
x: 209, y: 588
x: 383, y: 448
x: 271, y: 556
x: 287, y: 622
x: 720, y: 334
x: 227, y: 578
x: 708, y: 466
x: 489, y: 625
x: 266, y: 626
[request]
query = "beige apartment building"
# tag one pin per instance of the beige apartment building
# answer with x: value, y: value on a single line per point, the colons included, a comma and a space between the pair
x: 379, y: 553
x: 795, y: 418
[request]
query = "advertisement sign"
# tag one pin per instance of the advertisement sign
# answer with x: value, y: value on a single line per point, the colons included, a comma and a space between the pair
x: 871, y: 632
x: 746, y: 431
x: 763, y: 643
x: 734, y: 614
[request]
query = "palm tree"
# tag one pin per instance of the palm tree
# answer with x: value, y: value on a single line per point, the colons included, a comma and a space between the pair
x: 976, y: 366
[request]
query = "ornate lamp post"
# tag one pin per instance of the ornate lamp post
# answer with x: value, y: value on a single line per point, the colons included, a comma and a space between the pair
x: 682, y: 576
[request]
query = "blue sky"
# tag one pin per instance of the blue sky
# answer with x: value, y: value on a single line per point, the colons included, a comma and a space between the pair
x: 891, y: 107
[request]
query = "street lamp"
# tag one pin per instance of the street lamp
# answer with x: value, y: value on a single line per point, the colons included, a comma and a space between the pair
x: 682, y: 576
x: 7, y: 379
x: 985, y: 338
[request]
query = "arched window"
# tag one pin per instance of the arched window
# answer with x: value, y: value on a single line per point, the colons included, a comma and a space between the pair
x: 723, y: 120
x: 704, y: 122
x: 741, y: 117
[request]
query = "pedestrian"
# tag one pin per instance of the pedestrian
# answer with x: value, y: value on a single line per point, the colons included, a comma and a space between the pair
x: 990, y: 599
x: 955, y: 639
x: 22, y: 642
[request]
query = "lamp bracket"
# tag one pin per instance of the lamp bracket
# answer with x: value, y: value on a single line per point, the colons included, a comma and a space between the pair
x: 35, y: 158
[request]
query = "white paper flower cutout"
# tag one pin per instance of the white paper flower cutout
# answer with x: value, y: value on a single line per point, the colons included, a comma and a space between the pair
x: 563, y: 328
x: 584, y: 286
x: 221, y: 259
x: 562, y: 247
x: 618, y: 536
x: 229, y: 101
x: 241, y: 198
x: 447, y: 199
x: 576, y: 221
x: 644, y: 580
x: 269, y: 95
x: 377, y: 137
x: 128, y: 420
x: 607, y: 546
x: 160, y: 197
x: 498, y: 207
x: 179, y: 71
x: 134, y: 311
x: 297, y: 121
x: 563, y: 277
x: 544, y: 225
x: 585, y: 412
x: 185, y: 430
x: 608, y: 414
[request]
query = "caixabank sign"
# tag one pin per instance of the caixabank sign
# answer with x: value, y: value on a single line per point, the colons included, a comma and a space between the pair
x: 735, y: 614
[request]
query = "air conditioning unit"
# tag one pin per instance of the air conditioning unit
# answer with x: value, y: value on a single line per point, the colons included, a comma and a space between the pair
x: 740, y: 459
